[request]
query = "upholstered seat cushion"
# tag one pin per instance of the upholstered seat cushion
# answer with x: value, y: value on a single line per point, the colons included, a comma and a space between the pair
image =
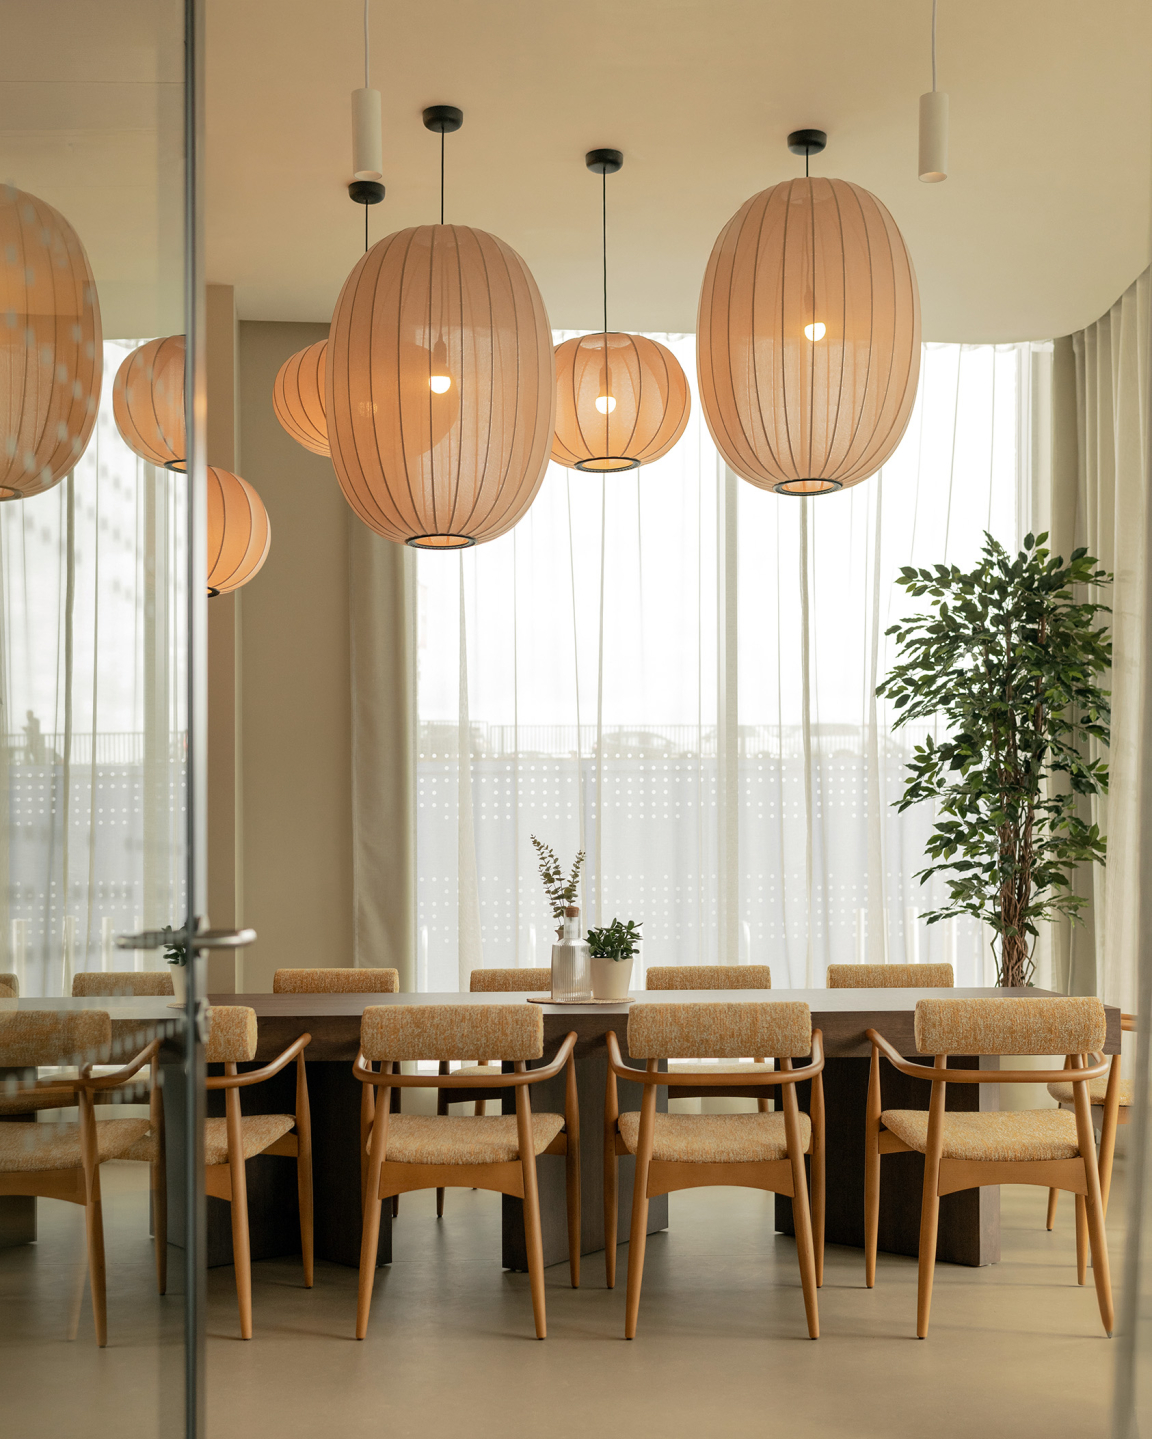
x: 258, y: 1131
x: 30, y: 1147
x: 725, y: 1066
x: 715, y: 1138
x: 1007, y: 1136
x: 471, y: 1139
x: 147, y: 1148
x: 471, y: 1070
x: 1097, y: 1089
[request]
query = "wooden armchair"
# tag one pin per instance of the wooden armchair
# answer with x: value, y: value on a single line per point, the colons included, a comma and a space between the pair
x: 684, y: 1151
x: 409, y: 1152
x: 712, y: 976
x: 962, y: 1149
x: 62, y: 1161
x: 228, y: 1142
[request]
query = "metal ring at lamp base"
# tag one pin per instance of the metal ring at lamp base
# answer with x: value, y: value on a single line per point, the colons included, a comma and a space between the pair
x: 427, y: 542
x: 607, y: 465
x: 828, y: 487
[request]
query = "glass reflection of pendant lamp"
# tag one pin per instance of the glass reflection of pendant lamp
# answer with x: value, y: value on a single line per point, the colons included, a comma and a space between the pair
x: 621, y: 400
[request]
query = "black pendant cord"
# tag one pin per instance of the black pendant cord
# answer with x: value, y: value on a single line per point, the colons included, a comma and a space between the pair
x: 805, y: 164
x: 441, y: 176
x: 604, y: 245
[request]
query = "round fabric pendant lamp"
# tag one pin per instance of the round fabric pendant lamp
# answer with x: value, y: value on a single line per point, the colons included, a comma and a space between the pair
x: 148, y: 402
x: 51, y: 346
x: 808, y: 335
x: 440, y: 387
x: 298, y: 397
x: 621, y: 400
x: 239, y: 531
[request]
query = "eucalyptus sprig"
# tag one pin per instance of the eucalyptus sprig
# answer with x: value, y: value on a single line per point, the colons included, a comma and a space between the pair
x: 561, y: 892
x: 616, y: 941
x: 1007, y: 658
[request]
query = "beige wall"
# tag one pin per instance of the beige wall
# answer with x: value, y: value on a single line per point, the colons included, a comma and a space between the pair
x: 294, y: 691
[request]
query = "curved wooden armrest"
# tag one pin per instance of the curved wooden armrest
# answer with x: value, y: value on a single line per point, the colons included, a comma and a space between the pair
x: 727, y: 1078
x: 258, y: 1076
x: 119, y: 1076
x: 985, y: 1076
x: 497, y: 1080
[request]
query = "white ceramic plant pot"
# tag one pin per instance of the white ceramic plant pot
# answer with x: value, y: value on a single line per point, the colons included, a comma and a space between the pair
x: 611, y: 977
x: 179, y: 982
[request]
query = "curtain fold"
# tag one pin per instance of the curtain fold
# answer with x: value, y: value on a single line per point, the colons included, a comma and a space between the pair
x: 1090, y: 489
x: 382, y: 618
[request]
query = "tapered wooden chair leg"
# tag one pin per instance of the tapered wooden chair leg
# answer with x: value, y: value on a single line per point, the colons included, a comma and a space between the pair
x: 241, y: 1251
x: 611, y: 1208
x: 441, y: 1109
x: 94, y: 1226
x: 1082, y: 1244
x: 572, y: 1196
x: 1101, y: 1272
x: 159, y: 1179
x: 871, y: 1211
x: 637, y: 1242
x: 818, y: 1214
x: 369, y: 1242
x: 929, y: 1227
x: 1050, y: 1219
x: 304, y: 1193
x: 805, y: 1253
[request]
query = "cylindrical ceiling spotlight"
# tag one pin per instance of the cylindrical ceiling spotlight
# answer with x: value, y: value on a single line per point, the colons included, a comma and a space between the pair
x: 51, y: 350
x: 933, y: 125
x: 298, y: 397
x: 367, y: 147
x: 239, y: 531
x: 621, y: 400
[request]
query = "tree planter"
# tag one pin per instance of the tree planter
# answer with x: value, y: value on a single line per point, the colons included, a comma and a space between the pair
x: 179, y: 976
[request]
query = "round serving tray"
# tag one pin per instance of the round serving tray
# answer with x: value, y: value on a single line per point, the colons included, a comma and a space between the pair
x: 571, y: 1003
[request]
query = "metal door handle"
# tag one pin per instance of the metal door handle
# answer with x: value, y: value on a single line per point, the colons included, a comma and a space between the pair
x: 205, y: 939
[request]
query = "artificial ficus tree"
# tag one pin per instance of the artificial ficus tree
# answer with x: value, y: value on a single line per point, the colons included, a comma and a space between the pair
x: 1007, y: 661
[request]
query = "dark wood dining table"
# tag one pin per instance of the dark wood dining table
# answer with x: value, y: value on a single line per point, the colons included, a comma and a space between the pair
x: 969, y: 1221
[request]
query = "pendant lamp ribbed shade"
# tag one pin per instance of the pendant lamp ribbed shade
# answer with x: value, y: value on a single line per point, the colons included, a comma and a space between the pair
x: 796, y: 412
x: 51, y: 346
x: 148, y: 402
x: 239, y: 531
x: 298, y: 397
x: 440, y: 387
x: 621, y: 401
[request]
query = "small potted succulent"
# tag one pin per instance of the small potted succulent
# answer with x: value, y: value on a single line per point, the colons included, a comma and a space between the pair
x: 176, y: 955
x: 612, y: 950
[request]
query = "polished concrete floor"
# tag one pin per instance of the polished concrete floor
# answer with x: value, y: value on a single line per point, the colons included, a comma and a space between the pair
x: 1015, y: 1349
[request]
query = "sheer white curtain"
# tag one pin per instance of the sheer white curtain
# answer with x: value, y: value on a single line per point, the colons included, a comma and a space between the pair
x: 92, y: 587
x: 674, y: 671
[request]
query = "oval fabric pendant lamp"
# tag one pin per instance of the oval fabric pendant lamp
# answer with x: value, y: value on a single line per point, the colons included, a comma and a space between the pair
x: 239, y: 531
x: 440, y: 386
x: 298, y: 397
x: 148, y: 402
x: 621, y: 400
x: 808, y: 335
x: 51, y: 346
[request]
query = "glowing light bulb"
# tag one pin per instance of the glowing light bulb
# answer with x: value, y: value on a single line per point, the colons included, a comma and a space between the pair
x: 605, y: 403
x: 816, y: 331
x: 440, y: 384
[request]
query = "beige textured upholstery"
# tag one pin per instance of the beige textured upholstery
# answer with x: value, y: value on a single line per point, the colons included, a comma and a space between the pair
x: 452, y: 1031
x: 12, y: 982
x: 510, y: 981
x: 146, y: 1148
x: 6, y: 991
x: 31, y: 1037
x: 32, y: 1147
x: 1005, y: 1135
x: 233, y: 1035
x: 890, y: 976
x: 1097, y: 1091
x: 1010, y: 1026
x: 258, y: 1131
x: 336, y: 981
x: 676, y: 1067
x: 424, y: 1139
x: 121, y: 982
x: 709, y: 976
x: 726, y: 1030
x: 716, y: 1138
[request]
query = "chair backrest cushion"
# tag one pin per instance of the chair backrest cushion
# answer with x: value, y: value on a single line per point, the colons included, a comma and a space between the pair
x: 121, y: 982
x: 709, y: 976
x: 730, y: 1030
x: 336, y: 981
x: 510, y: 981
x: 890, y: 976
x: 12, y: 981
x: 452, y: 1031
x: 31, y: 1037
x: 1053, y: 1025
x: 233, y: 1036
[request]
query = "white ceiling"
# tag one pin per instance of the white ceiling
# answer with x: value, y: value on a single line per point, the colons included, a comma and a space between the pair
x: 1042, y: 222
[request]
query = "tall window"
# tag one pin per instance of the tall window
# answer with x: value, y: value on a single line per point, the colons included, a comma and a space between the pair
x: 675, y: 672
